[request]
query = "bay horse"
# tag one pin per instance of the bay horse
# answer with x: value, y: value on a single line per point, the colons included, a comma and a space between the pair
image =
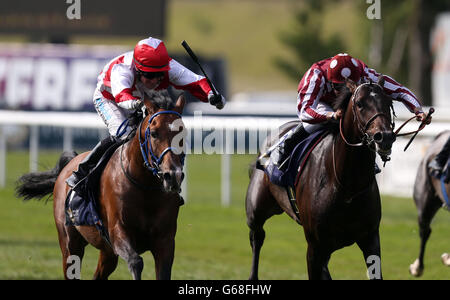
x: 428, y: 197
x: 138, y: 198
x: 337, y: 194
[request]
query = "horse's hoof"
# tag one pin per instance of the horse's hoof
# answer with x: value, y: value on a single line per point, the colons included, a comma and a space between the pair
x: 415, y: 269
x: 446, y: 259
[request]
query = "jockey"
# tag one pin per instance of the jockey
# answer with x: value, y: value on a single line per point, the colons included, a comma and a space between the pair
x: 126, y: 80
x: 321, y: 85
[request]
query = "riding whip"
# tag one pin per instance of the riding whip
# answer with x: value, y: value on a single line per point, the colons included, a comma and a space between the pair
x: 195, y: 59
x: 421, y: 126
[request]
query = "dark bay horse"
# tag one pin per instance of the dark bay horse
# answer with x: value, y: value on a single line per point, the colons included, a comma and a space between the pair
x: 337, y: 194
x: 138, y: 205
x: 428, y: 197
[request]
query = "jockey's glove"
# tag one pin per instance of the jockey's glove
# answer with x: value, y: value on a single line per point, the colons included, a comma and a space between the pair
x: 137, y: 104
x: 217, y: 100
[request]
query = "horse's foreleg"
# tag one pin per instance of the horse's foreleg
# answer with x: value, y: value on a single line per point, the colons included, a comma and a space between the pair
x: 318, y: 263
x: 163, y: 253
x: 107, y: 263
x: 125, y: 250
x: 370, y: 246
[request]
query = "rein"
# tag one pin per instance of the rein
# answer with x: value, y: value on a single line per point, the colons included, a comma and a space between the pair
x: 153, y: 162
x: 365, y: 140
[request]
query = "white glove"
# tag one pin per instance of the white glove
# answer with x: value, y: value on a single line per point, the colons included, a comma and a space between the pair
x: 217, y: 100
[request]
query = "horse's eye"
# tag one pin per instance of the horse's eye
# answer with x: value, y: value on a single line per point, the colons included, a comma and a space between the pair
x: 359, y: 104
x: 154, y: 134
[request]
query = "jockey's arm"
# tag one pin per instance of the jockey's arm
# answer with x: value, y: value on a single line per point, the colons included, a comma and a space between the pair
x: 182, y: 78
x: 122, y: 85
x: 399, y: 93
x: 309, y: 94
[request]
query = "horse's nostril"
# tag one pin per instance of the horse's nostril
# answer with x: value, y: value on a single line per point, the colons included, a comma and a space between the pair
x: 182, y: 176
x: 378, y: 137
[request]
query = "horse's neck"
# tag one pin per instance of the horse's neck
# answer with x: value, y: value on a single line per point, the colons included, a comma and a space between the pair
x: 134, y: 162
x: 354, y: 165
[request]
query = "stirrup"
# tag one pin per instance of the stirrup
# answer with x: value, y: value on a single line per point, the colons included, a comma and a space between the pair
x: 73, y: 180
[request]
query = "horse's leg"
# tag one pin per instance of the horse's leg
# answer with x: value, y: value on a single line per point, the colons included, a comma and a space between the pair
x: 163, y: 253
x: 370, y: 246
x: 426, y: 214
x: 62, y: 237
x: 72, y: 244
x: 123, y: 247
x: 107, y: 263
x: 260, y: 206
x: 318, y: 259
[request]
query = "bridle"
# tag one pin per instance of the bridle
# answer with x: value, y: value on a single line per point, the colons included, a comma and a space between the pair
x: 153, y: 162
x: 366, y: 139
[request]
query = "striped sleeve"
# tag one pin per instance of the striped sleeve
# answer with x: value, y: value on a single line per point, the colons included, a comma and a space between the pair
x: 395, y: 89
x: 310, y: 91
x: 182, y: 78
x: 122, y: 86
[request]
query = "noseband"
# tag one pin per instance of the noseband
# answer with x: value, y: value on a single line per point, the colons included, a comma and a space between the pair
x: 153, y: 162
x: 366, y: 139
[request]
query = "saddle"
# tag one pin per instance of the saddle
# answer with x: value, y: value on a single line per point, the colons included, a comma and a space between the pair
x: 288, y: 177
x: 295, y: 162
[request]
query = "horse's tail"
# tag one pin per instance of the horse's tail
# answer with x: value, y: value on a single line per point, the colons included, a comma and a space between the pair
x: 39, y: 184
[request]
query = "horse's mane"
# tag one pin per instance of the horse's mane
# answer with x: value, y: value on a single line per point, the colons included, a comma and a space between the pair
x: 343, y: 99
x: 161, y: 99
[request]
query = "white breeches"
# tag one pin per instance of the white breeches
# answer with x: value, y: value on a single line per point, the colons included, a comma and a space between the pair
x: 112, y: 115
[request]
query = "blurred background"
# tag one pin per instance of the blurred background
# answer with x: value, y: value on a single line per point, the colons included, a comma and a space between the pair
x: 255, y: 52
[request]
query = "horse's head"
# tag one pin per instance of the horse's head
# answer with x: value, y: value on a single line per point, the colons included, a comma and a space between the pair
x: 161, y: 141
x: 368, y: 115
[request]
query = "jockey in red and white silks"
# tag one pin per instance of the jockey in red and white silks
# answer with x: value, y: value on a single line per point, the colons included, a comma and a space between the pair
x: 126, y: 79
x: 123, y: 85
x: 316, y: 93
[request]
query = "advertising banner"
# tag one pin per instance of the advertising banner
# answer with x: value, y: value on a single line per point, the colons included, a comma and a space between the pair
x: 51, y: 77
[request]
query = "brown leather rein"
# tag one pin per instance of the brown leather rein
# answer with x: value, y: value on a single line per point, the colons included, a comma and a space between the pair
x: 366, y: 140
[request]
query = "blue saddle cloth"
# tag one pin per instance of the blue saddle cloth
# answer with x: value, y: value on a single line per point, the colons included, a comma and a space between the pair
x: 289, y: 175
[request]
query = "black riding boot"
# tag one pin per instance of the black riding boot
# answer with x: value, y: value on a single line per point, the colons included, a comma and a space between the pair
x: 91, y: 160
x: 289, y: 144
x: 437, y: 164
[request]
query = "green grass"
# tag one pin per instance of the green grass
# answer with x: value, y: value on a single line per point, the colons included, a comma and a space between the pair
x: 212, y: 241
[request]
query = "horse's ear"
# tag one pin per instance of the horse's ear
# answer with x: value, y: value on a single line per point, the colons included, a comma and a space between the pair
x: 350, y: 84
x: 381, y: 81
x: 180, y: 104
x: 151, y: 108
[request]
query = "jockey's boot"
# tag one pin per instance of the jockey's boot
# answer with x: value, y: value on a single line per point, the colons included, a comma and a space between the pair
x: 90, y: 161
x: 285, y: 149
x: 438, y: 162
